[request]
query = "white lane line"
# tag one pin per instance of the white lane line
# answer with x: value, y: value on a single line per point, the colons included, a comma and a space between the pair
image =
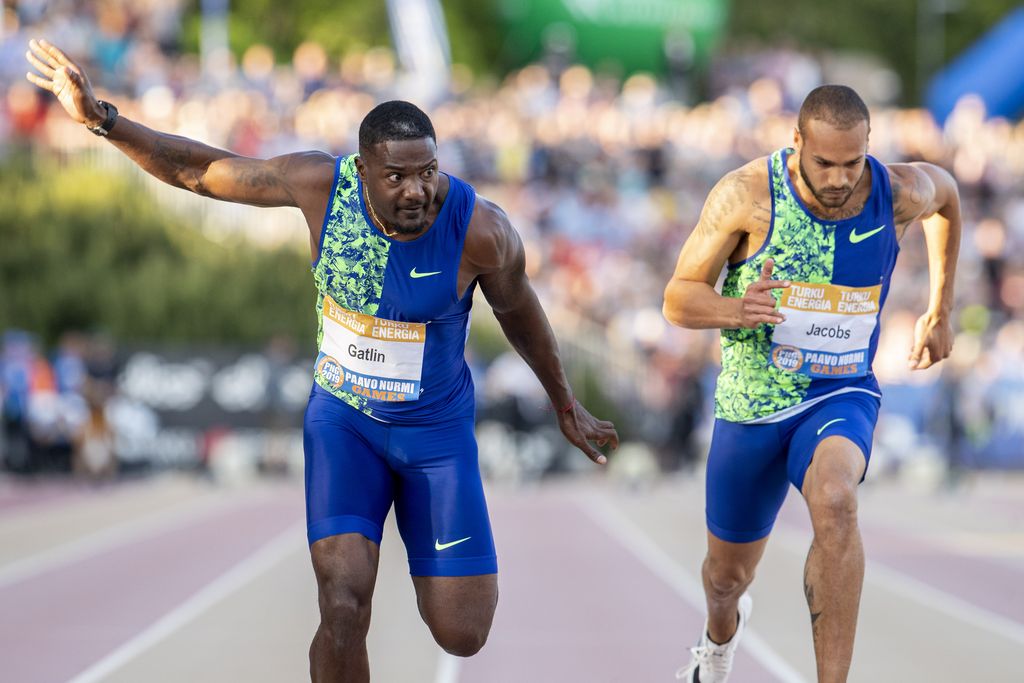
x: 634, y: 539
x: 447, y: 668
x: 291, y: 540
x: 123, y: 533
x: 929, y: 596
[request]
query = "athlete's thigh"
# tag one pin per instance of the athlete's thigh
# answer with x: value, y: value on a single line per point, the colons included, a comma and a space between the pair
x: 745, y: 481
x: 345, y: 566
x: 439, y: 500
x: 850, y: 417
x: 349, y: 486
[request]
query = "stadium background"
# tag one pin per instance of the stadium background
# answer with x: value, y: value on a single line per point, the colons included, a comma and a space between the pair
x: 148, y: 333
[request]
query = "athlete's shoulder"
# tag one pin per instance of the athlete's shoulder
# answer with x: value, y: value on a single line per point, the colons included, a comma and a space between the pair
x: 308, y: 176
x: 313, y: 161
x: 489, y: 221
x: 755, y: 169
x: 490, y: 238
x: 747, y: 183
x: 916, y: 172
x: 741, y: 195
x: 916, y: 187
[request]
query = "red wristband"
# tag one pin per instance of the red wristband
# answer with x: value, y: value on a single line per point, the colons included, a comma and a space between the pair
x: 572, y: 404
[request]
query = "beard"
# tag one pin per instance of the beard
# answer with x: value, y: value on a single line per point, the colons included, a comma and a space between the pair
x: 408, y: 227
x: 829, y: 197
x: 394, y: 225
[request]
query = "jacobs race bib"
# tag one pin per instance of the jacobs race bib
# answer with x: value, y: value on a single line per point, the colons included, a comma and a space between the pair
x: 827, y: 331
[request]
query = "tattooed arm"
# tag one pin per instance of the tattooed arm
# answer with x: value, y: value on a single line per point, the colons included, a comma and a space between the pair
x: 301, y: 180
x: 925, y: 192
x: 737, y: 209
x: 297, y: 179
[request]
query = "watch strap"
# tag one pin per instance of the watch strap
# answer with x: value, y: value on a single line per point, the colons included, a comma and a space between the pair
x: 108, y: 122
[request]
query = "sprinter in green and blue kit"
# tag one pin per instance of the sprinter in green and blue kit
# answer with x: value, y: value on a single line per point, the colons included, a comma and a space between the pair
x: 796, y: 401
x: 398, y: 249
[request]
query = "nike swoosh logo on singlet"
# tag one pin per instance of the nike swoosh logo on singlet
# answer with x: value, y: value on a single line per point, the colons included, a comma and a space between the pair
x: 854, y: 237
x: 442, y: 546
x: 414, y: 275
x: 838, y: 419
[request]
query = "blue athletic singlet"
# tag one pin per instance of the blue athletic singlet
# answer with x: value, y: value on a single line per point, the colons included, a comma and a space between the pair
x: 390, y: 415
x: 785, y: 388
x: 393, y: 328
x: 840, y: 272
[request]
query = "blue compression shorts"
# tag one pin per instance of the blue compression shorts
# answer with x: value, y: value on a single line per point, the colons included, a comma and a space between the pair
x: 356, y: 467
x: 750, y: 466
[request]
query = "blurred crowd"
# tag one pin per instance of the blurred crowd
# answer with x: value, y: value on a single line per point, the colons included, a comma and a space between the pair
x: 55, y: 409
x: 604, y: 177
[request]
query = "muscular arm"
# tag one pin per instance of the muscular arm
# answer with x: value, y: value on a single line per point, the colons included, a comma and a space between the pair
x: 498, y: 253
x: 928, y: 193
x: 288, y: 180
x: 301, y: 180
x: 495, y: 252
x: 690, y: 296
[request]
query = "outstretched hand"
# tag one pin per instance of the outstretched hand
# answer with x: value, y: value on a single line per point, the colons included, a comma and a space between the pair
x: 65, y: 79
x: 758, y: 303
x: 580, y: 428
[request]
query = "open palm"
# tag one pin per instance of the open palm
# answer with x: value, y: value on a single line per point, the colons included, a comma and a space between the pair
x: 65, y: 79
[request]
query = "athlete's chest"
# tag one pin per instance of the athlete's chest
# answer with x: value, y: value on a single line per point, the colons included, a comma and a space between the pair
x: 419, y: 282
x: 857, y: 251
x: 409, y: 282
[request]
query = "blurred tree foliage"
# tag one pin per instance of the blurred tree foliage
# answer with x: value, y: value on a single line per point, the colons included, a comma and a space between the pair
x: 84, y: 250
x: 473, y: 27
x: 888, y: 28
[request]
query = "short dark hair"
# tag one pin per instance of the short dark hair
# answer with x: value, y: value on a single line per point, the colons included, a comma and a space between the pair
x: 394, y: 120
x: 836, y: 105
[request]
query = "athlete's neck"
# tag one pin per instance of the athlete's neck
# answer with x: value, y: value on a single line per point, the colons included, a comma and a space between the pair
x: 374, y: 219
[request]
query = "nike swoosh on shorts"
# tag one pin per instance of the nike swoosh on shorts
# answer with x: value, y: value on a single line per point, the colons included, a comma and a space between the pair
x: 825, y: 426
x: 443, y: 546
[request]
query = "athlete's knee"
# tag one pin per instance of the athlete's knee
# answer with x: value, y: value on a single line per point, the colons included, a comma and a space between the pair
x: 463, y: 640
x: 460, y: 632
x: 458, y: 611
x: 833, y: 506
x: 344, y: 612
x: 726, y: 580
x: 345, y: 569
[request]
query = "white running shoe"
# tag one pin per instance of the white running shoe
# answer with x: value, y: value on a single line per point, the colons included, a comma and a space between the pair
x: 711, y: 663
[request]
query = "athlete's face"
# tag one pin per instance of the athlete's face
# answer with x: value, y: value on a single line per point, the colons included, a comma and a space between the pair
x: 401, y: 182
x: 831, y: 160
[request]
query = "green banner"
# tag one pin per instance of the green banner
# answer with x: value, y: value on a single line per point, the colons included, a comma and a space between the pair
x: 636, y: 34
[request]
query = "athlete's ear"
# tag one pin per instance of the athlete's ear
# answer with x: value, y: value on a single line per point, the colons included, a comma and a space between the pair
x: 361, y: 168
x: 796, y: 137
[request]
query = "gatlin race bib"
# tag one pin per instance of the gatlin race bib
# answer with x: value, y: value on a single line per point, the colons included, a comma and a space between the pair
x: 371, y: 357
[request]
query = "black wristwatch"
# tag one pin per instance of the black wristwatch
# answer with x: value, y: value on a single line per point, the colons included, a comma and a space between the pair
x: 108, y: 122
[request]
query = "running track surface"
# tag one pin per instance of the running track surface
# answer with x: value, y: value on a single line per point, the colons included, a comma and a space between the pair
x: 175, y: 579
